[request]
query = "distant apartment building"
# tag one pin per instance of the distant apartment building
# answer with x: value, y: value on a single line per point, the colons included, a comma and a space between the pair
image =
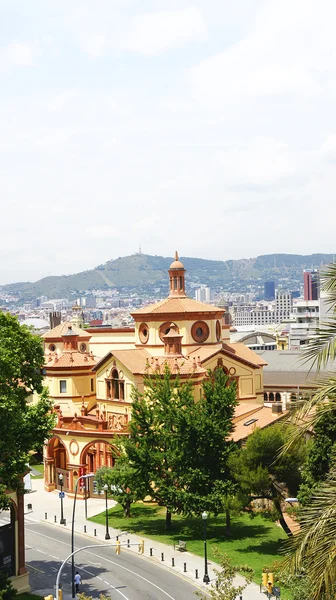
x: 269, y: 290
x: 204, y: 294
x: 283, y: 306
x: 257, y: 313
x: 311, y: 284
x: 304, y: 320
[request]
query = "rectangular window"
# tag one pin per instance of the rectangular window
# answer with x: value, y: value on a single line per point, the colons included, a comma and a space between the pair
x: 92, y: 388
x: 63, y: 386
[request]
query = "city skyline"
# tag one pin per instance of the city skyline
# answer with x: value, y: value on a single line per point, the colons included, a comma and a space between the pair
x: 206, y: 126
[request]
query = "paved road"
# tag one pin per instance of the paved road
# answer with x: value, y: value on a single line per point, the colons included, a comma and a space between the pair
x: 126, y: 576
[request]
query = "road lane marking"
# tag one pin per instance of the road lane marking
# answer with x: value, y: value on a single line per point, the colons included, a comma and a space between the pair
x: 119, y: 566
x: 106, y: 583
x: 137, y: 575
x: 34, y: 568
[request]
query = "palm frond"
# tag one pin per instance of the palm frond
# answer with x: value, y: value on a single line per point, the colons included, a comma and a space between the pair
x: 305, y: 417
x: 321, y: 348
x: 328, y: 280
x: 315, y: 544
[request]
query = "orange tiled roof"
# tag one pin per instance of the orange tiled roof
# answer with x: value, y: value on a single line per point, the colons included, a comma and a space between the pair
x: 244, y: 407
x: 70, y: 358
x: 140, y: 362
x: 177, y: 305
x: 237, y: 351
x: 134, y: 360
x: 180, y: 364
x: 60, y: 330
x: 264, y: 417
x: 248, y: 354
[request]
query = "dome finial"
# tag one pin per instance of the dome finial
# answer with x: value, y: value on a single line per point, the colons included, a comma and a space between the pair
x: 176, y: 255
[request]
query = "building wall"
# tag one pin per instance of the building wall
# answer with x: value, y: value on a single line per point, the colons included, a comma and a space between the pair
x: 104, y: 339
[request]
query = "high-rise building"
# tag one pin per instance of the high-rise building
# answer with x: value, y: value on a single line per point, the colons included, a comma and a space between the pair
x: 311, y: 284
x: 269, y: 290
x: 204, y: 294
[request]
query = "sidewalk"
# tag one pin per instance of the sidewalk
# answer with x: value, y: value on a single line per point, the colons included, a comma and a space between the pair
x: 48, y: 504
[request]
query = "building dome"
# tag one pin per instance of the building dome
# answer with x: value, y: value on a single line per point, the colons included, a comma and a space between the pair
x: 177, y: 263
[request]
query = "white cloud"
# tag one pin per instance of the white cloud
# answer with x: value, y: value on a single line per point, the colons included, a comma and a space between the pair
x: 16, y: 55
x: 328, y: 149
x: 145, y: 223
x: 282, y: 54
x: 102, y: 232
x: 60, y: 100
x: 154, y: 33
x: 262, y: 161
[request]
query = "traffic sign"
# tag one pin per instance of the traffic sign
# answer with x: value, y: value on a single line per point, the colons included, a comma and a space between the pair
x: 61, y: 494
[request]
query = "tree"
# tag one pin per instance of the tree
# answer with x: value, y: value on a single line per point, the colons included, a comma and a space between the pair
x: 225, y: 588
x: 261, y: 474
x: 178, y: 446
x: 23, y: 427
x: 315, y: 547
x: 124, y: 483
x: 320, y: 452
x: 206, y: 481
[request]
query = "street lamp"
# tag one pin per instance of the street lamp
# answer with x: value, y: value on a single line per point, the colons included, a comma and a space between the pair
x: 73, y: 533
x: 107, y: 535
x: 206, y: 577
x: 60, y: 479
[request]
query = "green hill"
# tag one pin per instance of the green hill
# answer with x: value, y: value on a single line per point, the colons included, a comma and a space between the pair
x: 141, y: 273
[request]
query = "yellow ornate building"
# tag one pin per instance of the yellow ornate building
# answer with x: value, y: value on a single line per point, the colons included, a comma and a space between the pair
x: 91, y: 374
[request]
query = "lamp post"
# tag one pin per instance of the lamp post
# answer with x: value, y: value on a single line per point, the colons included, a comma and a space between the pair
x: 60, y: 479
x: 107, y: 535
x: 206, y: 577
x: 73, y: 533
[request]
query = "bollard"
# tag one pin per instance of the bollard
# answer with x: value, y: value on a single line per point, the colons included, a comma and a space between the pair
x: 240, y: 596
x: 173, y: 562
x: 184, y: 567
x: 150, y: 551
x: 55, y: 519
x: 162, y: 556
x: 84, y: 528
x: 45, y: 516
x: 95, y: 532
x: 128, y: 543
x: 196, y: 573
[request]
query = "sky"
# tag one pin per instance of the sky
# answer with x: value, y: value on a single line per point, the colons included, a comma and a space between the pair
x: 206, y: 126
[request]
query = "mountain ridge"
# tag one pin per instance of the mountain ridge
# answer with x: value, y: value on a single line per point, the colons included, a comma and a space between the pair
x: 141, y: 272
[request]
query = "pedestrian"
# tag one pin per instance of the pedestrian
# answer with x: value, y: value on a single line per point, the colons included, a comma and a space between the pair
x: 78, y: 580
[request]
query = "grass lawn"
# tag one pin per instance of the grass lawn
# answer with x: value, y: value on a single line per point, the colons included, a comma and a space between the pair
x: 40, y: 469
x: 254, y: 540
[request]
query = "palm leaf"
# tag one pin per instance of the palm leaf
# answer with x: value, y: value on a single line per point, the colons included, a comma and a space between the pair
x: 315, y: 544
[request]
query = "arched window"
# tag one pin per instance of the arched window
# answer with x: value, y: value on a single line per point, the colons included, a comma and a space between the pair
x: 115, y: 384
x: 265, y: 397
x: 278, y: 397
x: 271, y: 397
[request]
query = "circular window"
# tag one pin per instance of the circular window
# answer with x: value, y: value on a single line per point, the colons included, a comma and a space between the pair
x: 52, y: 347
x: 218, y: 331
x: 200, y: 331
x: 165, y: 328
x: 143, y: 333
x: 82, y: 347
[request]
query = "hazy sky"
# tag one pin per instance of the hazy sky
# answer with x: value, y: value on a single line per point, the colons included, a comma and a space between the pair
x: 203, y: 125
